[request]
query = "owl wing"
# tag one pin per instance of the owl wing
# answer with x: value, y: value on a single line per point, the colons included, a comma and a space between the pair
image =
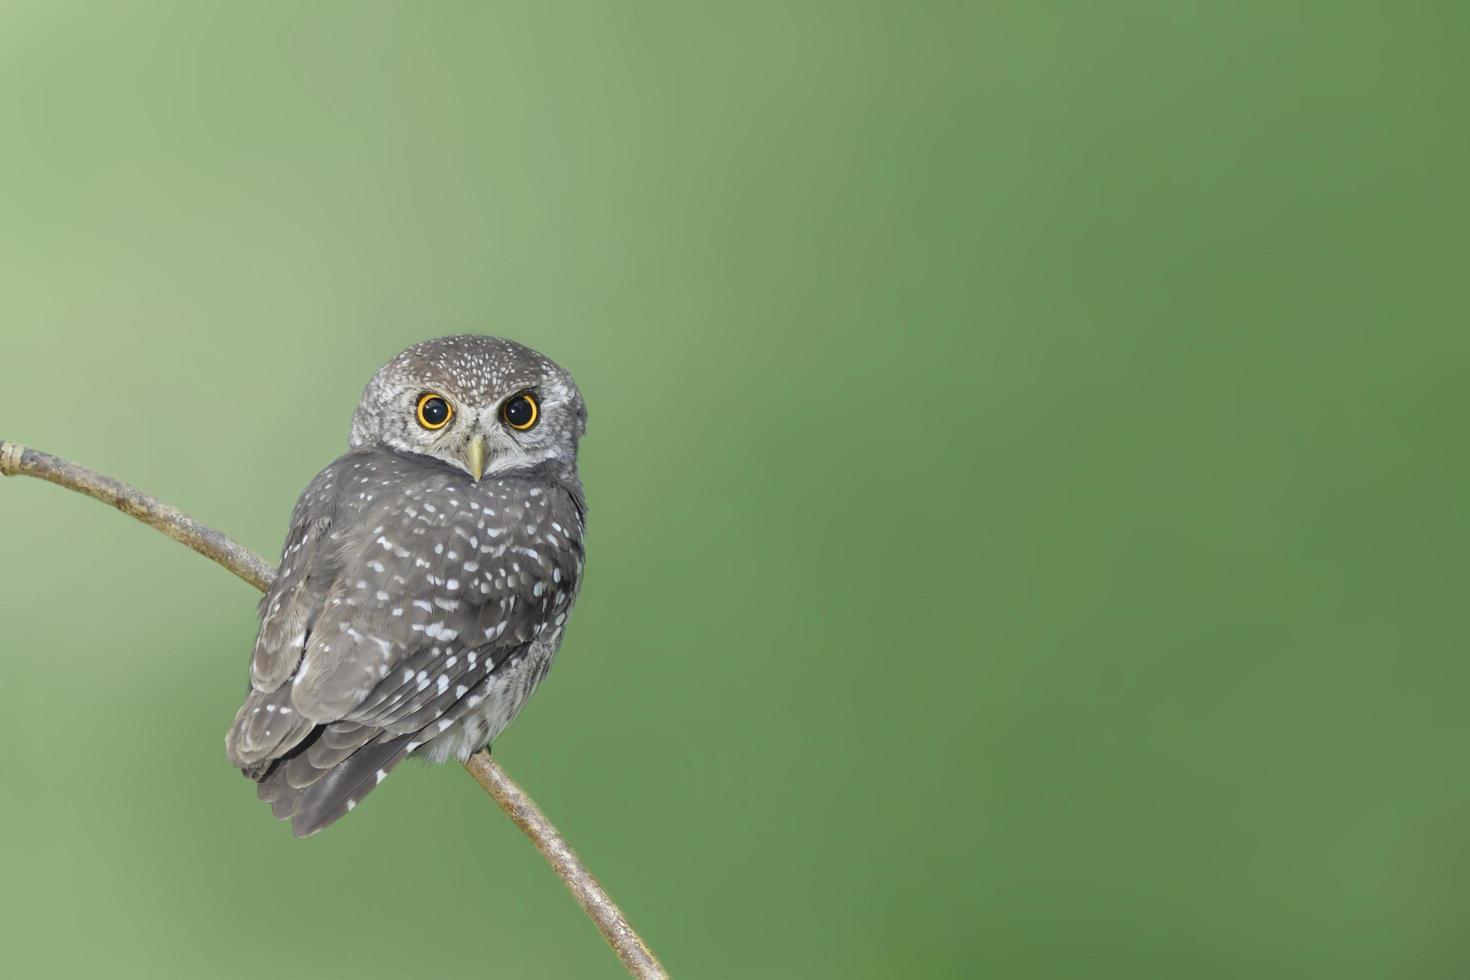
x: 443, y: 586
x: 447, y: 586
x: 311, y: 561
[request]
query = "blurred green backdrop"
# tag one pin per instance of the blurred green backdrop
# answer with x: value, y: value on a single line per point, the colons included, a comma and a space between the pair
x: 1027, y: 469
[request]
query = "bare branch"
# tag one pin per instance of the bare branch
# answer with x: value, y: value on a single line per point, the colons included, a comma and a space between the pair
x: 629, y: 946
x: 22, y: 461
x: 16, y: 460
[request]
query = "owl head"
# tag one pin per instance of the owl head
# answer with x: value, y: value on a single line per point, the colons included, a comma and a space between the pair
x: 485, y: 405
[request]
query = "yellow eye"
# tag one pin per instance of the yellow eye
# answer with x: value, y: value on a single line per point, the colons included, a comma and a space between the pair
x: 520, y: 411
x: 433, y: 411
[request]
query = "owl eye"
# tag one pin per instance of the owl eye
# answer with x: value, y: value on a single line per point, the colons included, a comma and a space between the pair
x: 433, y: 411
x: 520, y: 411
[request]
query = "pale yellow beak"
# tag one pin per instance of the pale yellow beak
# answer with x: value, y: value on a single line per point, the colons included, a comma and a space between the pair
x: 474, y: 457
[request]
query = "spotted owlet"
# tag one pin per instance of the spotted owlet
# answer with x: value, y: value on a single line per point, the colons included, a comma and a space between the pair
x: 426, y: 579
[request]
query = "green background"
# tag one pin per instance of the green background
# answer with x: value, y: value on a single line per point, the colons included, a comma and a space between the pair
x: 1027, y: 468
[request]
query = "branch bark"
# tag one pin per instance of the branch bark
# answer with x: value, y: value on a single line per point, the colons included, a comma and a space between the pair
x: 16, y: 460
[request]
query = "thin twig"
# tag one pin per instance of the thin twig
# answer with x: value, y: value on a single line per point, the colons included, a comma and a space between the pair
x: 604, y: 912
x: 629, y: 946
x: 19, y: 460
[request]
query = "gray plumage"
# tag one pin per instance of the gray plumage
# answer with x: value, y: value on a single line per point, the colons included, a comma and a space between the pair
x: 418, y: 603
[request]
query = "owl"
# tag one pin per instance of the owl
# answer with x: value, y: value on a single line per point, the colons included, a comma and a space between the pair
x: 426, y: 579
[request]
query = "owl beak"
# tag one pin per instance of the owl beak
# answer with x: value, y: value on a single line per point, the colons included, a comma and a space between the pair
x: 474, y: 457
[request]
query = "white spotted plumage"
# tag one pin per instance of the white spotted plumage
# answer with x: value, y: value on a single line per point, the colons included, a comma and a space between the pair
x: 418, y: 615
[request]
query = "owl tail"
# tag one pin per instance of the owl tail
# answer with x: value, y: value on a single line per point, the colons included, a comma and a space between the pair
x: 330, y: 774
